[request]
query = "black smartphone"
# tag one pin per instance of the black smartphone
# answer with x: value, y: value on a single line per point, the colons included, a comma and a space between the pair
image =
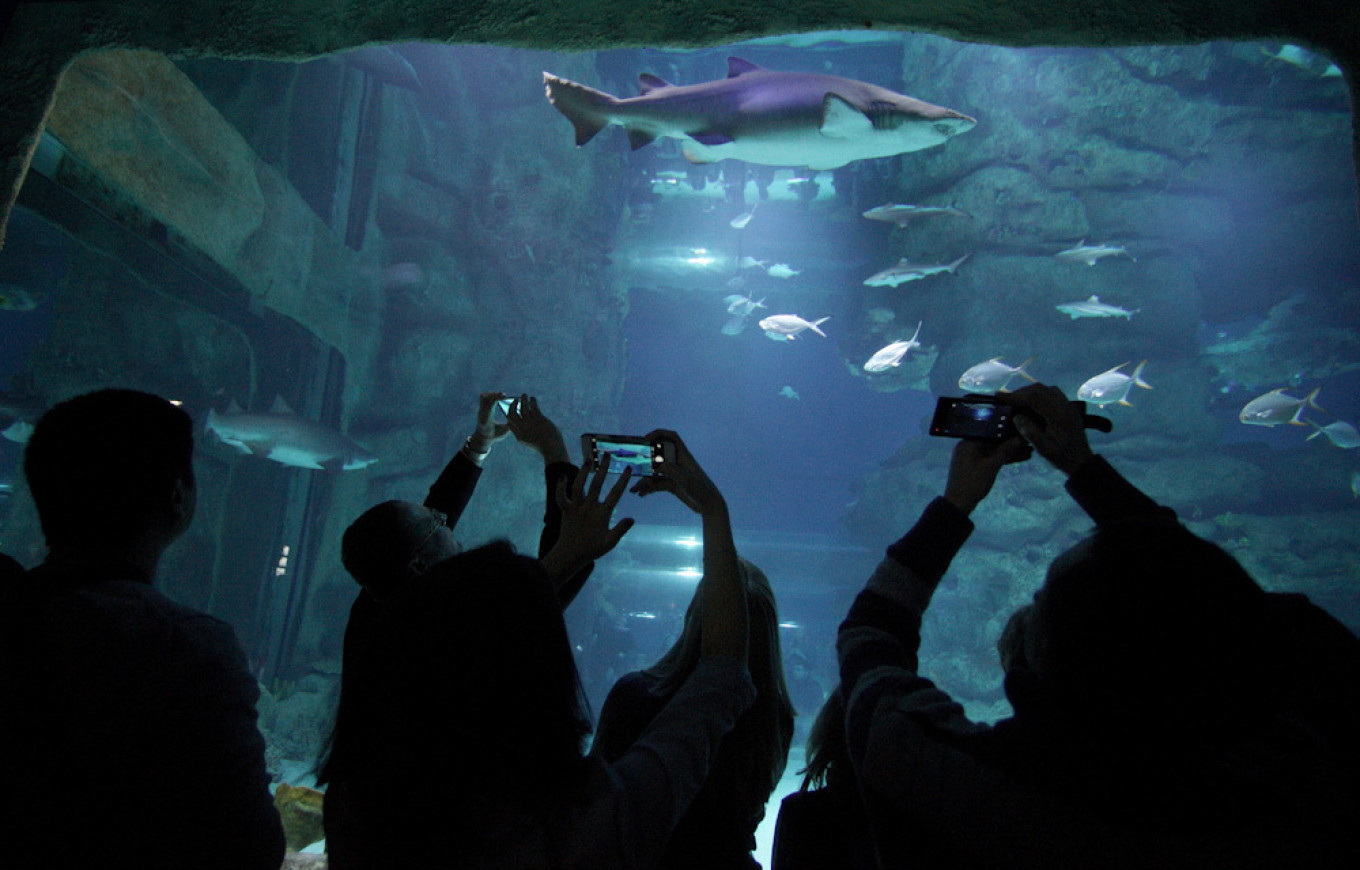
x: 981, y: 417
x: 503, y: 406
x: 626, y: 451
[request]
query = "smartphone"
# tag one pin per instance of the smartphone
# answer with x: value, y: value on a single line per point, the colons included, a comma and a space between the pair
x: 981, y: 417
x: 626, y: 451
x: 504, y: 405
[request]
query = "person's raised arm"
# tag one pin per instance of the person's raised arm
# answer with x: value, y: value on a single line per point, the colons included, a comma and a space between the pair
x: 723, y: 627
x: 453, y: 489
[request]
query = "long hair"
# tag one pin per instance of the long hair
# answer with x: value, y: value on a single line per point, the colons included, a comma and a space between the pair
x: 761, y: 737
x: 828, y: 754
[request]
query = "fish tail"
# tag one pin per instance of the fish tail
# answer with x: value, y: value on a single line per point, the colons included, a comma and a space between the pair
x: 817, y: 323
x: 1311, y: 400
x: 1317, y: 430
x: 1020, y: 369
x: 954, y: 265
x: 585, y: 107
x: 1138, y: 377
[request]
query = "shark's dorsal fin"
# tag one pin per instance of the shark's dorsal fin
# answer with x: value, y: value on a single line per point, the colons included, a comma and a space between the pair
x: 639, y: 138
x: 281, y: 407
x: 234, y: 407
x: 738, y: 67
x: 693, y: 157
x: 840, y: 120
x: 648, y: 83
x: 1094, y: 298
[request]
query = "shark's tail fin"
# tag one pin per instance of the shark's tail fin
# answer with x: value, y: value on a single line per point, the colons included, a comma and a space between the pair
x: 585, y: 107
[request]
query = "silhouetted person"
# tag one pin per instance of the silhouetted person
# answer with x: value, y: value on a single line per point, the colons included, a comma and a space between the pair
x: 10, y: 570
x: 1168, y: 711
x: 472, y: 722
x: 718, y: 830
x: 822, y: 826
x: 127, y: 721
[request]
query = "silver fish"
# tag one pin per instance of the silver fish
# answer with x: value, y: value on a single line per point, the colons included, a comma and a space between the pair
x: 902, y: 215
x: 741, y: 305
x: 992, y: 376
x: 891, y: 356
x: 784, y: 327
x: 740, y: 221
x: 781, y: 270
x: 789, y: 393
x: 1088, y: 254
x: 1340, y: 433
x: 1112, y: 387
x: 763, y: 116
x: 1093, y: 307
x: 1275, y: 409
x: 905, y: 271
x: 286, y: 438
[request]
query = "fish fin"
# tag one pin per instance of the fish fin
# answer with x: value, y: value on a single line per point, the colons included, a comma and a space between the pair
x: 711, y: 138
x: 738, y: 67
x: 840, y: 120
x: 1317, y: 430
x: 954, y: 265
x: 1312, y: 403
x: 1125, y: 402
x: 692, y: 157
x: 648, y: 83
x: 1020, y: 369
x: 639, y: 138
x: 1138, y: 377
x: 233, y: 407
x: 583, y: 106
x: 281, y: 407
x: 1094, y: 297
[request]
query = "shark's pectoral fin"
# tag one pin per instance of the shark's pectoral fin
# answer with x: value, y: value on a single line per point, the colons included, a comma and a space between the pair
x: 640, y: 138
x: 736, y: 67
x: 711, y: 138
x: 648, y: 83
x: 840, y: 120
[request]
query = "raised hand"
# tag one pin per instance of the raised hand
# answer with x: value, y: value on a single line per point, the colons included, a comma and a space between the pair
x: 532, y: 428
x: 684, y: 477
x: 974, y: 465
x: 1051, y: 423
x: 586, y: 533
x: 488, y: 431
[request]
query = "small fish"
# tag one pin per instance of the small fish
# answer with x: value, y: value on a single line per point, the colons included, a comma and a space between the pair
x: 1093, y: 307
x: 740, y: 221
x: 734, y: 326
x: 1275, y: 408
x: 784, y: 327
x: 905, y: 271
x: 891, y: 356
x: 286, y: 438
x: 752, y: 263
x: 1088, y: 254
x: 992, y: 376
x: 781, y: 270
x: 741, y: 305
x: 16, y: 298
x: 1340, y: 433
x: 789, y: 393
x: 19, y: 432
x: 1112, y: 387
x: 905, y: 214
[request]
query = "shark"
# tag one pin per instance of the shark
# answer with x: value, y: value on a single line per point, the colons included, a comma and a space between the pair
x: 1089, y: 254
x: 903, y: 215
x: 283, y: 436
x: 1093, y: 307
x: 763, y: 116
x: 906, y: 271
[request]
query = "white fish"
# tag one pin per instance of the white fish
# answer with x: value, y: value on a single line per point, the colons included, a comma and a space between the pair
x: 1112, y: 387
x: 740, y: 221
x: 741, y: 305
x: 992, y: 376
x: 1275, y: 408
x: 735, y: 325
x: 1088, y: 254
x: 891, y: 356
x: 789, y: 393
x: 1340, y: 433
x: 784, y: 327
x: 286, y: 438
x: 751, y: 263
x: 906, y: 271
x: 1093, y: 307
x: 905, y: 214
x: 781, y: 270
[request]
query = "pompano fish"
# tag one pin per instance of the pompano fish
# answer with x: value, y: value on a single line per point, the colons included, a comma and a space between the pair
x: 891, y: 356
x: 905, y: 271
x: 784, y: 327
x: 1093, y: 307
x: 1088, y: 254
x: 741, y: 305
x: 789, y: 393
x: 993, y: 376
x: 781, y: 270
x: 763, y: 116
x: 286, y: 438
x: 1340, y: 433
x: 740, y: 221
x: 1112, y: 387
x: 751, y: 263
x: 1275, y: 409
x: 903, y: 215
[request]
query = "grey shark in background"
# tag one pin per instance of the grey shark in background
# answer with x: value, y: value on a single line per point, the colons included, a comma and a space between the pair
x: 1093, y: 307
x: 1089, y: 254
x: 906, y: 271
x: 763, y: 116
x: 286, y: 438
x: 903, y: 215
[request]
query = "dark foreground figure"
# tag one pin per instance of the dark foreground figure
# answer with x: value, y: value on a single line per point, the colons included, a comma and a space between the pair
x: 127, y: 721
x: 1168, y: 712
